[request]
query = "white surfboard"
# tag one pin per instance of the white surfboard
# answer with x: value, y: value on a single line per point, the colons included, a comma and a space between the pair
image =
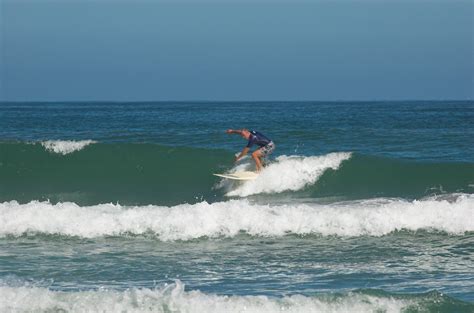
x: 246, y: 175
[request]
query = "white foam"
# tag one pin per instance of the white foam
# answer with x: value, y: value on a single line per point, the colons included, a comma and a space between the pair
x: 65, y: 146
x: 289, y: 173
x: 184, y: 222
x: 173, y: 298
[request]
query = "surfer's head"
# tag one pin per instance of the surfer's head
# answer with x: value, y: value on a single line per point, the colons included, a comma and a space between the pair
x: 245, y: 133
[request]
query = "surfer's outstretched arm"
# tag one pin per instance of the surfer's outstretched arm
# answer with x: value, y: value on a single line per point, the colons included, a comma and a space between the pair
x: 234, y: 131
x: 243, y: 153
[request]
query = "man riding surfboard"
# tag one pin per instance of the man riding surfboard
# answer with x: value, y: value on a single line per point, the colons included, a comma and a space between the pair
x: 254, y: 138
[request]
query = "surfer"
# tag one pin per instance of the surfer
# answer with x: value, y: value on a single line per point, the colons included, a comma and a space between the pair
x: 254, y: 138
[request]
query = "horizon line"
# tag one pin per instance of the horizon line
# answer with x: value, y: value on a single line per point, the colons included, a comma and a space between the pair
x: 231, y: 101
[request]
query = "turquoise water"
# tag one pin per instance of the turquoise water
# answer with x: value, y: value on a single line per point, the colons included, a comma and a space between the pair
x: 112, y: 206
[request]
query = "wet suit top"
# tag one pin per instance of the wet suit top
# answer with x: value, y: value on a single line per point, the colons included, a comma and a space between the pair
x: 257, y: 138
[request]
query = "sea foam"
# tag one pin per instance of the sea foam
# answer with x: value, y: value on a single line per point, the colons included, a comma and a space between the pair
x: 65, y: 146
x: 375, y: 217
x: 173, y: 298
x: 286, y: 173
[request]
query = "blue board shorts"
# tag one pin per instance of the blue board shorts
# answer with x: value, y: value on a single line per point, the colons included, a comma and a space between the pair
x: 266, y: 150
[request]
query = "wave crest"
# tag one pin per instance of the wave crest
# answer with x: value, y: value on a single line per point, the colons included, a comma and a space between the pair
x: 375, y: 217
x: 289, y: 173
x: 65, y: 146
x: 173, y: 298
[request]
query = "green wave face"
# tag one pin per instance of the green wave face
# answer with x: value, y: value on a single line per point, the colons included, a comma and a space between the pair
x: 100, y: 173
x: 140, y: 174
x: 366, y: 176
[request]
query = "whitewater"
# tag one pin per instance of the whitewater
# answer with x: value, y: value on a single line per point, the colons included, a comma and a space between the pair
x: 66, y: 146
x: 375, y: 217
x: 285, y: 173
x: 174, y: 298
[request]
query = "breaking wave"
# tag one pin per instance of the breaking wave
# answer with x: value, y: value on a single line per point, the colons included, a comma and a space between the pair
x: 174, y: 298
x: 289, y: 173
x: 65, y: 146
x: 140, y: 174
x: 376, y: 217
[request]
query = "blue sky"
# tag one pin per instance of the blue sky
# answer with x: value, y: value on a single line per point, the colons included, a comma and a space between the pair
x: 232, y: 50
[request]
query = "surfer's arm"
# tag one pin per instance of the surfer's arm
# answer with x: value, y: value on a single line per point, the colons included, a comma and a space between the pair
x: 234, y: 131
x: 244, y: 152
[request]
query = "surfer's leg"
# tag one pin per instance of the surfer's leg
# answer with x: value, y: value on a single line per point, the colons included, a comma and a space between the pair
x: 256, y: 155
x: 265, y: 151
x: 261, y: 153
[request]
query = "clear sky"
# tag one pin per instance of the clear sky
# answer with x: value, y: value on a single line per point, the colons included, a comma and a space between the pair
x: 236, y: 50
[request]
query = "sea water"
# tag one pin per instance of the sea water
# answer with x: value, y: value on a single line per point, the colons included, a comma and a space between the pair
x: 363, y: 206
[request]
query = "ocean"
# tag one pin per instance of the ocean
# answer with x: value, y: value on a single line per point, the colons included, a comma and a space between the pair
x: 112, y: 207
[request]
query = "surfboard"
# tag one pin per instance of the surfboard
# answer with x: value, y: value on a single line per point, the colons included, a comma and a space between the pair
x: 246, y: 175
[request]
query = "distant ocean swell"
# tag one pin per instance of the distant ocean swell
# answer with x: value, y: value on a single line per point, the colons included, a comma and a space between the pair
x: 377, y: 217
x: 174, y: 298
x: 87, y: 173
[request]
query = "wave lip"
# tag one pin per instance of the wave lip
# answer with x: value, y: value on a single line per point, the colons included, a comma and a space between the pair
x: 290, y: 173
x: 65, y: 146
x: 173, y: 298
x: 375, y: 217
